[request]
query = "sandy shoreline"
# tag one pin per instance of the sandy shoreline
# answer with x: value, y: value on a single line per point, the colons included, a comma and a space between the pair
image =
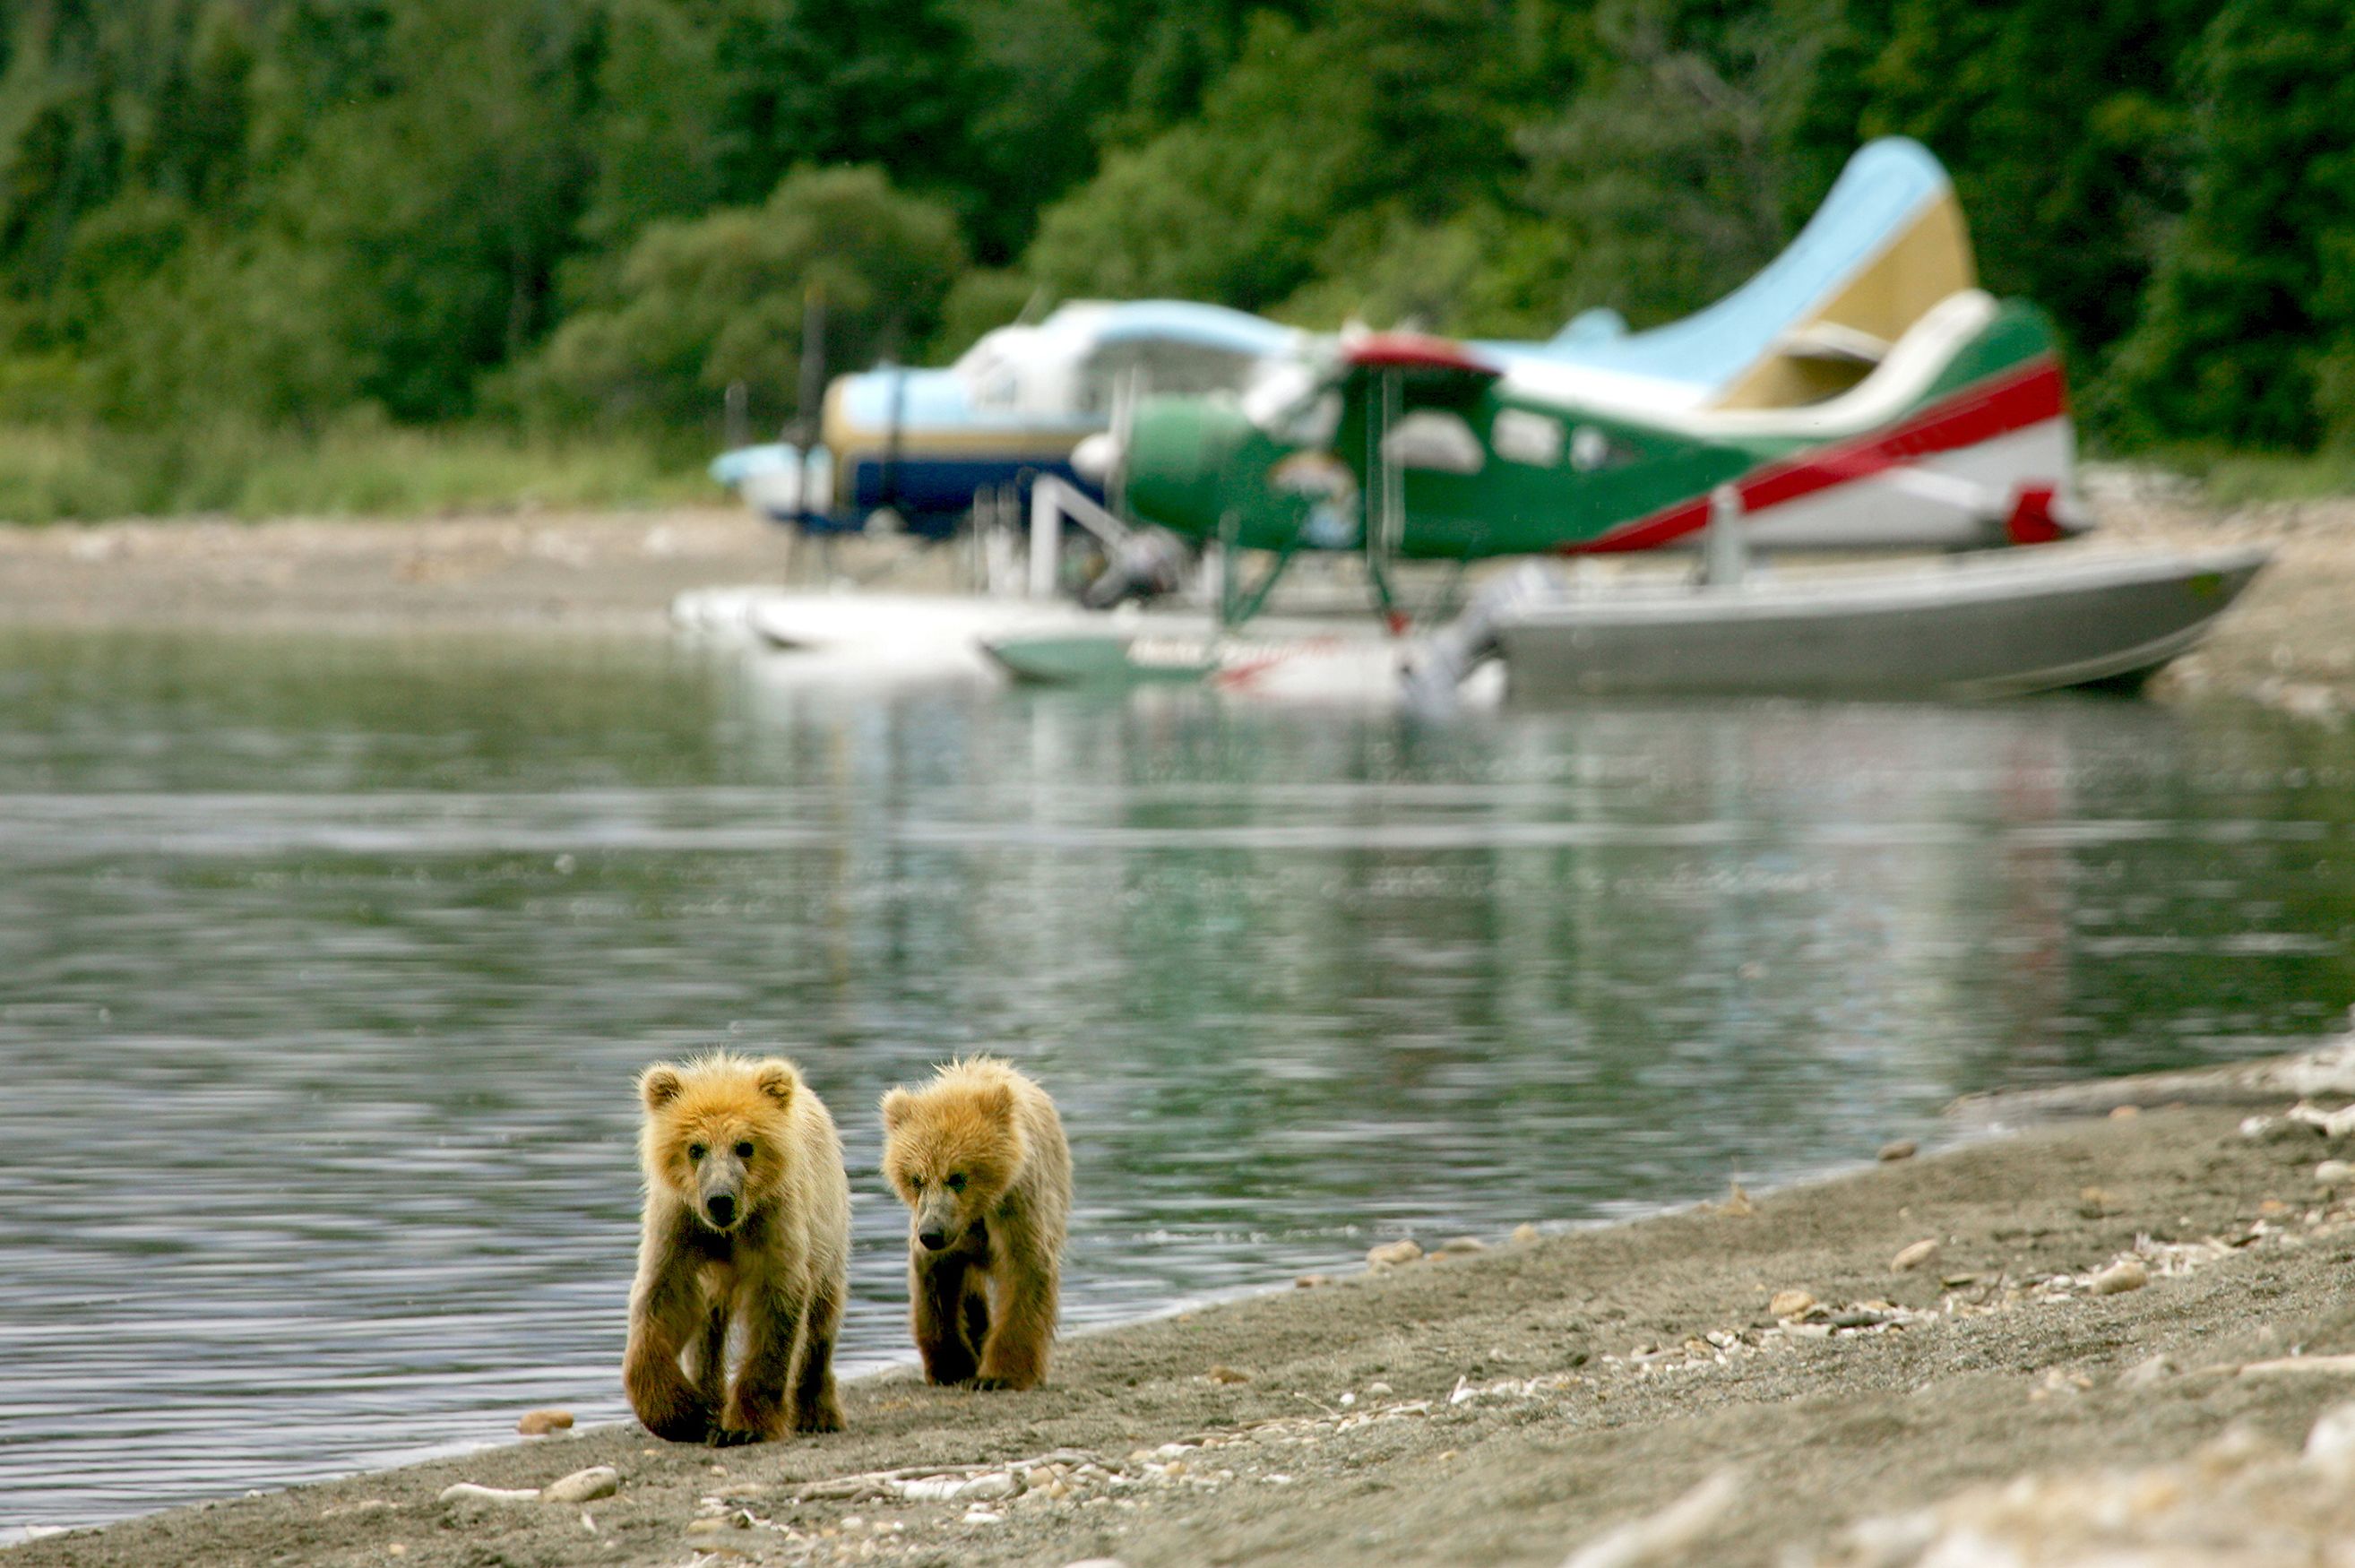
x: 596, y: 572
x: 2289, y: 644
x: 1509, y: 1405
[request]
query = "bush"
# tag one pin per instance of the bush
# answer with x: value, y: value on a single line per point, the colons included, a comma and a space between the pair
x: 696, y: 305
x: 359, y: 468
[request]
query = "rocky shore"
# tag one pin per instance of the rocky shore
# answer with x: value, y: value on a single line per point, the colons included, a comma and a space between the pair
x: 2124, y: 1336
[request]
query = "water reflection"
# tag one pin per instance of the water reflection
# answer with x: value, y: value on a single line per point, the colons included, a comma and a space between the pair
x: 324, y: 966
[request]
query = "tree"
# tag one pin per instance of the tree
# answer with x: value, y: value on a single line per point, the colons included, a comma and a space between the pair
x: 700, y: 304
x: 1235, y: 207
x: 1663, y: 185
x: 2247, y: 332
x: 839, y: 82
x: 405, y: 247
x: 654, y: 138
x: 2061, y: 122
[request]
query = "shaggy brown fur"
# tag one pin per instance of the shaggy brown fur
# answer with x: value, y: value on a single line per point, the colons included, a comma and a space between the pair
x: 747, y: 1223
x: 978, y: 1157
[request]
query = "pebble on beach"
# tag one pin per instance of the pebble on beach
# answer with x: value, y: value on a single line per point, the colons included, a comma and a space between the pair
x: 468, y: 1492
x: 1901, y: 1148
x: 2336, y: 1123
x: 583, y: 1486
x: 2331, y: 1446
x: 1222, y: 1373
x: 1457, y: 1246
x: 2126, y: 1273
x: 1914, y: 1257
x: 995, y: 1486
x: 1393, y: 1254
x: 2333, y: 1173
x: 540, y: 1422
x: 1790, y: 1304
x: 366, y: 1505
x: 1310, y: 1281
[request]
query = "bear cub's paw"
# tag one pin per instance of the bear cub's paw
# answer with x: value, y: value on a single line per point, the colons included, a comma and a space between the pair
x: 732, y: 1437
x: 826, y: 1417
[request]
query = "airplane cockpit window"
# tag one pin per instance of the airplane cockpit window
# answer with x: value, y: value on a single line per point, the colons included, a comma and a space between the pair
x: 1592, y: 449
x: 1522, y: 436
x: 991, y: 382
x: 1156, y: 366
x: 1280, y: 387
x: 1434, y: 438
x: 1288, y: 399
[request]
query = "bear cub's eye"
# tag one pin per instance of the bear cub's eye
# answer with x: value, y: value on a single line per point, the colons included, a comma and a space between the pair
x: 745, y: 1150
x: 694, y: 1152
x: 956, y: 1182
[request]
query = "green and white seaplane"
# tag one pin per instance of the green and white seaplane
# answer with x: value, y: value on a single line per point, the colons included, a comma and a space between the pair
x: 1862, y: 393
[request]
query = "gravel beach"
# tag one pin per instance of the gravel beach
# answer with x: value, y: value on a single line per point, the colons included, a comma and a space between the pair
x: 2126, y: 1331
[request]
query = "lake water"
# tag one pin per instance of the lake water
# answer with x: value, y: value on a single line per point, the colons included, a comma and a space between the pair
x: 326, y: 965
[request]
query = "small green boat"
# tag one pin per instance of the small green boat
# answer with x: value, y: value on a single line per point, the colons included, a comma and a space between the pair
x: 1298, y: 658
x: 1106, y: 658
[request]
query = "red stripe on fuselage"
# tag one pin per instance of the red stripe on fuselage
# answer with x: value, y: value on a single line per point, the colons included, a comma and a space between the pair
x: 1981, y: 412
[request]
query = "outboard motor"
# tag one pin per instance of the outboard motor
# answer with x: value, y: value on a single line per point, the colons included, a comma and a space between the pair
x: 1444, y: 657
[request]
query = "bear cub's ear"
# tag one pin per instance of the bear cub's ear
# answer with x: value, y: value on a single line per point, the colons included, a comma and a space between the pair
x: 777, y: 1080
x: 897, y: 1103
x: 658, y: 1085
x: 997, y: 1101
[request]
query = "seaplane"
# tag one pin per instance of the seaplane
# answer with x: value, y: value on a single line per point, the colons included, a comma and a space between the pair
x: 1860, y: 394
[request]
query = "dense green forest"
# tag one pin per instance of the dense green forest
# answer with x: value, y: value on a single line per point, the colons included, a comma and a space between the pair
x: 231, y: 225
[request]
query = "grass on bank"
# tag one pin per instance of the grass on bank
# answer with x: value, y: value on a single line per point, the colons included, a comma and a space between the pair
x: 56, y: 474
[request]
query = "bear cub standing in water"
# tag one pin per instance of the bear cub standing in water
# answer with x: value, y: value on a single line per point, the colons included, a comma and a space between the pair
x: 747, y: 1223
x: 978, y: 1157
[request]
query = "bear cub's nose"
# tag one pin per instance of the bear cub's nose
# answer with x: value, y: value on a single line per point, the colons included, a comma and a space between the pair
x: 933, y: 1240
x: 723, y: 1209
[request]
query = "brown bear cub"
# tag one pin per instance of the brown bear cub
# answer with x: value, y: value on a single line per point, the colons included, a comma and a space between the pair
x: 978, y: 1156
x: 747, y: 1223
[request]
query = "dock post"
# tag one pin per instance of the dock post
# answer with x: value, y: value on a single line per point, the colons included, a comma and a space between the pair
x: 1725, y: 553
x: 1046, y: 535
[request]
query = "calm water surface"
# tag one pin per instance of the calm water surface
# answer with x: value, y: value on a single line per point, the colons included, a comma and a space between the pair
x: 324, y: 966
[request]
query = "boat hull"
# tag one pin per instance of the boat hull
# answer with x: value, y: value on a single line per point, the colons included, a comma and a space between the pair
x: 1978, y: 628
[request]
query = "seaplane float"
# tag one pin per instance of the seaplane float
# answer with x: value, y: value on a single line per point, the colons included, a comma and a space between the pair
x: 1861, y: 394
